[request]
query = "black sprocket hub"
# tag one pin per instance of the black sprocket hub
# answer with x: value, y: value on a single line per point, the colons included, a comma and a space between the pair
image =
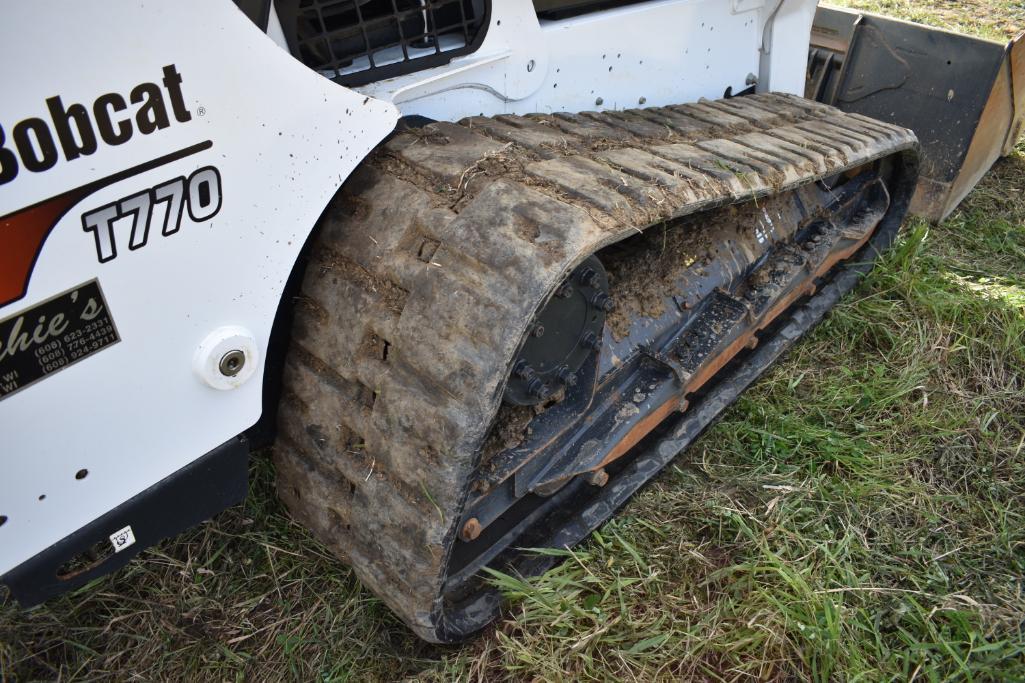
x: 566, y: 334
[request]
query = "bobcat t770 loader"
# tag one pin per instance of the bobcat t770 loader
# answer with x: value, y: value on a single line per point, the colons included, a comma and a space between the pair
x: 479, y: 269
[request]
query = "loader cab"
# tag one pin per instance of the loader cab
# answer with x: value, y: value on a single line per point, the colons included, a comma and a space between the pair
x: 560, y: 9
x: 356, y: 42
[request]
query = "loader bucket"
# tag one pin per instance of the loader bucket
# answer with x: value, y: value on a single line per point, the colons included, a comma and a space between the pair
x: 963, y: 97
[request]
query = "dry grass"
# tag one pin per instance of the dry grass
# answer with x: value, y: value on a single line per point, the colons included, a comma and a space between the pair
x: 993, y: 19
x: 858, y: 515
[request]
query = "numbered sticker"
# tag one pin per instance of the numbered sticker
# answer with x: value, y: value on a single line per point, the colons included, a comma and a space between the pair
x: 122, y: 539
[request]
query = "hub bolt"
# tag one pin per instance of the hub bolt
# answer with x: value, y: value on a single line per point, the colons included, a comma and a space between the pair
x: 539, y: 389
x: 231, y: 363
x: 591, y: 341
x: 589, y: 278
x: 523, y: 370
x: 471, y: 530
x: 603, y: 301
x: 564, y: 291
x: 539, y: 330
x: 566, y: 377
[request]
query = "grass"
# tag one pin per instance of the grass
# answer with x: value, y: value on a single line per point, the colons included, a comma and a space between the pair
x: 857, y: 516
x: 993, y: 19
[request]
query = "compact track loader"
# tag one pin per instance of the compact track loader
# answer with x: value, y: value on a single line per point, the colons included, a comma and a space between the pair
x: 478, y: 269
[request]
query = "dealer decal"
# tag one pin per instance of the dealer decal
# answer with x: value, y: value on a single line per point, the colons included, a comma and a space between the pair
x: 54, y: 335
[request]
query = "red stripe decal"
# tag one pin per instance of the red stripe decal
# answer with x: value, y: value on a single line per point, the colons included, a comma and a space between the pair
x: 22, y: 235
x: 23, y: 232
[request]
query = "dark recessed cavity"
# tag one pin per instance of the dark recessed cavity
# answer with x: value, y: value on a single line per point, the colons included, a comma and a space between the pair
x: 357, y: 42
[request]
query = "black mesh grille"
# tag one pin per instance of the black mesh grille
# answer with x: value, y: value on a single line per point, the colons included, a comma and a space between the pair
x: 360, y: 41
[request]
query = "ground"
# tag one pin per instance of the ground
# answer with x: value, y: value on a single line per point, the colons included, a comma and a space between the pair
x: 857, y: 515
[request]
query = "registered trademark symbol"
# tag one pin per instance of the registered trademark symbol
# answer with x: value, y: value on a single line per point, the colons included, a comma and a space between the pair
x: 201, y: 111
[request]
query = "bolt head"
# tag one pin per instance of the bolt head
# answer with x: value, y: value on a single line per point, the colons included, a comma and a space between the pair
x: 471, y: 530
x: 232, y: 363
x: 539, y: 389
x: 588, y: 278
x: 603, y: 301
x: 523, y: 370
x: 539, y: 330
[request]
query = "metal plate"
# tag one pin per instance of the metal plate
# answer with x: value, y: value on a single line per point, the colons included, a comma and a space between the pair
x: 955, y: 92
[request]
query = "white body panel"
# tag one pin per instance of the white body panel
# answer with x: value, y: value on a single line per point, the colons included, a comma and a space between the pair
x: 283, y: 139
x: 649, y: 54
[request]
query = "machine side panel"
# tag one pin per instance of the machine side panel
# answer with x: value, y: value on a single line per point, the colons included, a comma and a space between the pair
x: 161, y: 165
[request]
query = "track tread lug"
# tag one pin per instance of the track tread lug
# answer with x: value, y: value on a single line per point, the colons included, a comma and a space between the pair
x: 742, y: 108
x: 686, y: 126
x: 632, y: 123
x: 544, y: 141
x: 591, y: 181
x: 713, y: 116
x: 444, y: 150
x: 585, y: 126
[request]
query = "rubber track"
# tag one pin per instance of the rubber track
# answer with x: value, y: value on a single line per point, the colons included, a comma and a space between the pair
x: 431, y: 262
